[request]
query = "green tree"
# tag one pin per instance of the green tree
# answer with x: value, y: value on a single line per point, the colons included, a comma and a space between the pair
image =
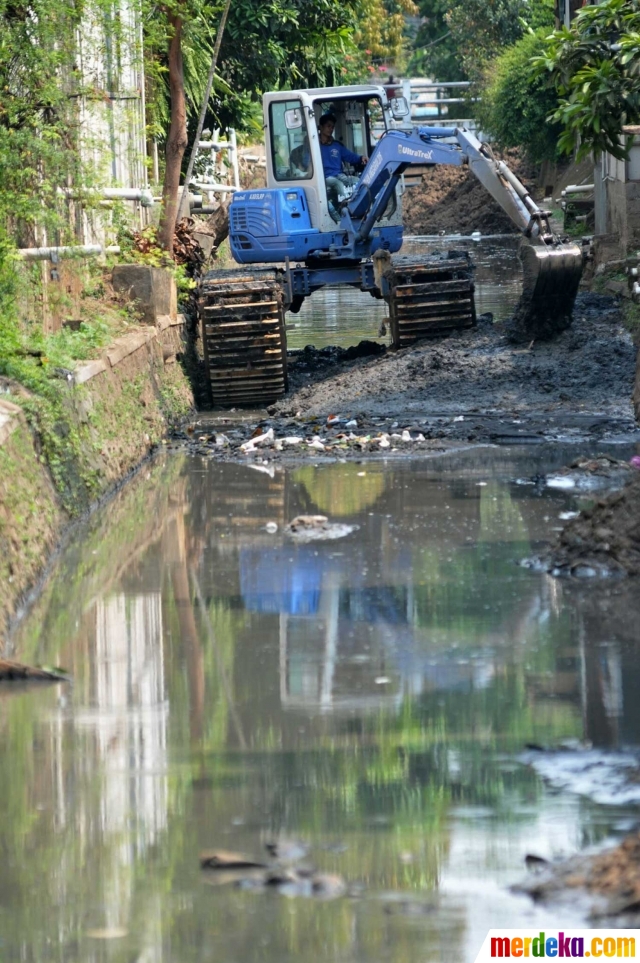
x: 267, y: 45
x: 457, y: 38
x: 515, y: 103
x: 595, y: 68
x: 382, y: 28
x: 38, y: 126
x: 435, y: 53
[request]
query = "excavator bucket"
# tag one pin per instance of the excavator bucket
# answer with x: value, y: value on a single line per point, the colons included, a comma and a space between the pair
x: 551, y: 276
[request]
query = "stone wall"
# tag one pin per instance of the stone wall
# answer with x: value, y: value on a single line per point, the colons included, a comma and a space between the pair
x: 119, y: 406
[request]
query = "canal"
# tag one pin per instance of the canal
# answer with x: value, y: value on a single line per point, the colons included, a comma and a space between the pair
x: 342, y: 316
x: 375, y: 697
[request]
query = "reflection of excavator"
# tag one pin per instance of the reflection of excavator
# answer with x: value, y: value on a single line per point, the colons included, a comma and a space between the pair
x: 323, y: 238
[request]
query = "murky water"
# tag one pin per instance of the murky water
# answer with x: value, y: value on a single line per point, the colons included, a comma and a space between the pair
x: 345, y: 316
x: 371, y: 696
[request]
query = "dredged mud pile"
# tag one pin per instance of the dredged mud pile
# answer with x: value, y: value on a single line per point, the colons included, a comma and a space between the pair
x: 604, y: 540
x: 451, y: 200
x: 474, y: 386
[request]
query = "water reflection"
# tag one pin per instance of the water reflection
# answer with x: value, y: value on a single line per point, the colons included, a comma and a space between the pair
x: 370, y: 695
x: 344, y: 316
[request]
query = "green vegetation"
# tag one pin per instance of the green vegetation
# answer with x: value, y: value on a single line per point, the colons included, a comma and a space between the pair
x: 457, y: 39
x: 515, y: 103
x: 631, y: 317
x: 595, y: 68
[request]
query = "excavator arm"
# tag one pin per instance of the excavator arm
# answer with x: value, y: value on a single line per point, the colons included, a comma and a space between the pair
x: 551, y: 267
x: 397, y: 150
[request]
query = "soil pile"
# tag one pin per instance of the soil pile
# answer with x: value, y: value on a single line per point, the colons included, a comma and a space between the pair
x: 606, y: 884
x: 603, y: 540
x: 450, y: 200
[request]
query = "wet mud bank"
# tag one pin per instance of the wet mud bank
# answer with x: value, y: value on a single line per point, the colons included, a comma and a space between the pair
x: 602, y: 542
x: 115, y: 411
x: 472, y: 387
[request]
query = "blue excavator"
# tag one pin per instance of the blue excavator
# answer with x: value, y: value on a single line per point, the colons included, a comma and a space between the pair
x: 303, y: 232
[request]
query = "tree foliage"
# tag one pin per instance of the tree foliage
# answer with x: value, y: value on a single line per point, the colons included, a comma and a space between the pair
x: 381, y: 31
x: 595, y: 68
x: 267, y: 45
x: 457, y: 38
x: 515, y: 102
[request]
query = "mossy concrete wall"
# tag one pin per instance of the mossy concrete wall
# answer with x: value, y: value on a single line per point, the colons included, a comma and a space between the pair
x: 117, y: 410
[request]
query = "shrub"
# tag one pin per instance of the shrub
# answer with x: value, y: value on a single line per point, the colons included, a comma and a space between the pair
x: 515, y: 103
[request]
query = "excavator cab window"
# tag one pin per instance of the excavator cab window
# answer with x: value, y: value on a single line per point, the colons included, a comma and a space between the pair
x: 290, y: 151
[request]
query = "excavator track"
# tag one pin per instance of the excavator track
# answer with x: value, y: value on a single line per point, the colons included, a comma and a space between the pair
x: 243, y: 337
x: 429, y: 296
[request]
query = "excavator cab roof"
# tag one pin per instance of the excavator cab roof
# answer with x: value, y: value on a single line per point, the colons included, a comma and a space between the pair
x: 331, y: 93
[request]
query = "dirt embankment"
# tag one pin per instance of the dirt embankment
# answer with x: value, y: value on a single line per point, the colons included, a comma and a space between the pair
x: 114, y: 410
x: 450, y: 200
x: 604, y: 540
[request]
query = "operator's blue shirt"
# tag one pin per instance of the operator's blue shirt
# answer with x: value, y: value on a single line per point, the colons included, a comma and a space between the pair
x: 333, y: 155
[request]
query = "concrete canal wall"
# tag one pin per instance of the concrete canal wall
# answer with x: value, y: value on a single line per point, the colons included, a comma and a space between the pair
x: 116, y: 410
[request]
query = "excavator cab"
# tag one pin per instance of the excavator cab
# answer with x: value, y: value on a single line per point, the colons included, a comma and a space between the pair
x: 293, y: 142
x: 293, y: 217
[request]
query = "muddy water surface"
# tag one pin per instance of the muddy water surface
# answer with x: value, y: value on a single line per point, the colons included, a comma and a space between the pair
x: 370, y: 696
x: 345, y: 316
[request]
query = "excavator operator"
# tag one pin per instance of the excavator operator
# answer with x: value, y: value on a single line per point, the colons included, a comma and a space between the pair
x: 333, y: 154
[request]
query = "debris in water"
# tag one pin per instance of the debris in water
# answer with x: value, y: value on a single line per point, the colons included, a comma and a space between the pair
x: 286, y: 879
x: 608, y: 778
x: 535, y: 863
x: 16, y: 672
x: 223, y: 859
x: 111, y: 933
x: 307, y: 528
x: 287, y: 850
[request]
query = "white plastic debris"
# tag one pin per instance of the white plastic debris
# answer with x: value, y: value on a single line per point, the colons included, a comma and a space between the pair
x: 316, y: 444
x: 222, y: 441
x: 352, y: 424
x: 406, y: 436
x: 266, y: 469
x: 271, y: 527
x: 560, y: 481
x: 292, y: 440
x: 384, y: 443
x: 459, y: 418
x: 265, y: 438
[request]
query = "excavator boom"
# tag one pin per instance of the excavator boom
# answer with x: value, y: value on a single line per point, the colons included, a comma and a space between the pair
x: 551, y: 267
